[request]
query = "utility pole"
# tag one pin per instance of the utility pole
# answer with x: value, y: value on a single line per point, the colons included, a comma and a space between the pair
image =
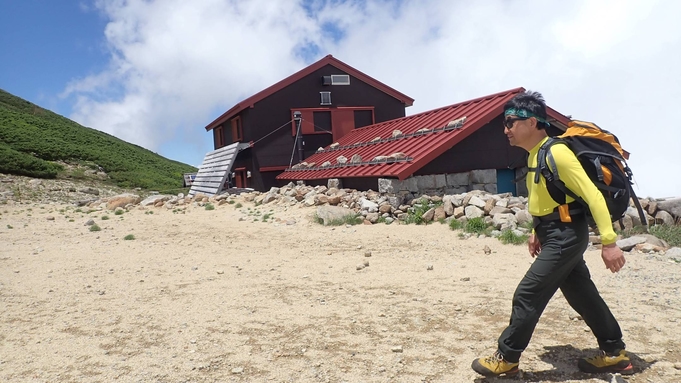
x: 297, y: 117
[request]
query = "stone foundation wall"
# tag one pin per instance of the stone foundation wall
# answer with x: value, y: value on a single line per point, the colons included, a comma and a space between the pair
x: 442, y: 184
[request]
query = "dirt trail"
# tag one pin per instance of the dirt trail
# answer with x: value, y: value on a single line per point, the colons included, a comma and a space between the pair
x: 205, y: 297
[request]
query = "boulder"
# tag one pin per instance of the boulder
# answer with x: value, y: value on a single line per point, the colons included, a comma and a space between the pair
x: 428, y: 216
x: 662, y: 217
x: 448, y: 205
x: 499, y: 210
x: 489, y: 205
x: 153, y: 199
x: 476, y: 201
x: 523, y: 217
x: 372, y: 217
x: 472, y: 211
x: 385, y: 208
x: 674, y: 254
x: 629, y: 243
x: 439, y: 213
x: 366, y: 204
x: 334, y: 200
x: 504, y: 221
x: 329, y: 214
x: 672, y: 206
x: 122, y: 200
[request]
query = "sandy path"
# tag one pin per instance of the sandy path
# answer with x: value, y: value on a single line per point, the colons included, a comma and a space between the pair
x: 204, y: 297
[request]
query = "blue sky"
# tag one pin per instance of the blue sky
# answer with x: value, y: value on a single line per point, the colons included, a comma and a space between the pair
x: 156, y: 72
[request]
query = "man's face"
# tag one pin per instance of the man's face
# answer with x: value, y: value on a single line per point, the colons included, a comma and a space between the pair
x: 518, y: 130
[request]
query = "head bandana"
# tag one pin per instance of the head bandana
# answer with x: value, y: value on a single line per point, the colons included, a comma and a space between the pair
x: 524, y: 114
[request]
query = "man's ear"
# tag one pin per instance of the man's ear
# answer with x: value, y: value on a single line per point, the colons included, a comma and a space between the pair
x: 533, y: 122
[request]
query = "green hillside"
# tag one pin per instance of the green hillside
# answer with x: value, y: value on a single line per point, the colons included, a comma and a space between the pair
x: 33, y: 140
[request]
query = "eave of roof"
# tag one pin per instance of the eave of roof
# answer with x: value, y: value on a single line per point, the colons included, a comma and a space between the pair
x: 419, y: 148
x: 327, y: 60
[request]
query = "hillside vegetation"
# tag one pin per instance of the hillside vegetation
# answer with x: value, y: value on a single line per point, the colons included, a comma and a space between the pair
x: 36, y: 142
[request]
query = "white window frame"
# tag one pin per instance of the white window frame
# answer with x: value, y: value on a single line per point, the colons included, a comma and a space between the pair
x: 323, y: 100
x: 340, y: 79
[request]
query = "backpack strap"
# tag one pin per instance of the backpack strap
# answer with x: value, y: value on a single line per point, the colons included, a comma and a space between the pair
x: 641, y: 214
x: 548, y: 169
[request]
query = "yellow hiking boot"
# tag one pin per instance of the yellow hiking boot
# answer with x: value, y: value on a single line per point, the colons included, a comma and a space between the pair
x: 494, y: 365
x: 616, y: 363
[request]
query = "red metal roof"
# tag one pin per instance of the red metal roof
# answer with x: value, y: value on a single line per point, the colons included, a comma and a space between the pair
x: 328, y: 60
x: 420, y: 148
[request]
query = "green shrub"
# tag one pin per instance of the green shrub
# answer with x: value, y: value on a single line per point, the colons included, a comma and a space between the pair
x: 350, y: 219
x: 527, y: 225
x: 231, y: 202
x: 415, y: 215
x: 119, y: 212
x: 16, y: 162
x: 509, y: 237
x: 238, y: 205
x: 670, y: 234
x: 95, y: 227
x: 455, y: 224
x: 104, y: 217
x: 476, y: 226
x: 209, y: 206
x: 129, y: 237
x: 32, y: 139
x: 10, y: 227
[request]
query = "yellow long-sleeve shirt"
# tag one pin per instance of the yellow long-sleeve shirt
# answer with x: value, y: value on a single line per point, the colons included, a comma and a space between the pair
x: 573, y: 175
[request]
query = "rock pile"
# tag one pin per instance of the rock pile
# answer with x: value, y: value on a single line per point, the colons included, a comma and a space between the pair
x: 502, y: 211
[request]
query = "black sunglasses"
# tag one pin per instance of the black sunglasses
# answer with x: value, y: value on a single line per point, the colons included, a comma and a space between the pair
x: 508, y: 123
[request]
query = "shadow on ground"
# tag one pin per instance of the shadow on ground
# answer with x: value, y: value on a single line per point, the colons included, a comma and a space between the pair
x: 564, y: 362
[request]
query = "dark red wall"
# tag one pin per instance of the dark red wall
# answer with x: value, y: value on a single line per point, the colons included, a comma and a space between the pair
x: 275, y: 110
x: 487, y: 148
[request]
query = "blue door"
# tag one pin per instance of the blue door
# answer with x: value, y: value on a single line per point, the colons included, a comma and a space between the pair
x: 505, y: 182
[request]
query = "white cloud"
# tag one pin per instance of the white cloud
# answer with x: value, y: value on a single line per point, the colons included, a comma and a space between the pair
x: 177, y: 65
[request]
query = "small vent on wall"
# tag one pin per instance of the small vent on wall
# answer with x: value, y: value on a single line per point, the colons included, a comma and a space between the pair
x: 325, y: 98
x: 340, y: 79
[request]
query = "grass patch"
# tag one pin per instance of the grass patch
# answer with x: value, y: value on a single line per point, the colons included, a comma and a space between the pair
x: 349, y: 219
x: 148, y: 212
x: 475, y: 226
x: 455, y: 224
x: 527, y: 225
x: 104, y: 217
x: 10, y: 227
x: 509, y: 237
x: 209, y: 206
x: 670, y: 234
x: 119, y: 212
x: 95, y: 227
x: 129, y: 237
x: 238, y: 205
x: 416, y: 212
x: 231, y: 202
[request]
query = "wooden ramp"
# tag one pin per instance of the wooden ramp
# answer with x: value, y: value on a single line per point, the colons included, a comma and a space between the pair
x: 212, y: 174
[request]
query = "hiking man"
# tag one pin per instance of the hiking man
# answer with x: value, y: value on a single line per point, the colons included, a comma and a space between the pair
x: 559, y: 239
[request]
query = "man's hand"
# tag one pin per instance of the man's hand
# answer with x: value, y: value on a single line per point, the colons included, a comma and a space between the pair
x: 533, y: 245
x: 613, y: 257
